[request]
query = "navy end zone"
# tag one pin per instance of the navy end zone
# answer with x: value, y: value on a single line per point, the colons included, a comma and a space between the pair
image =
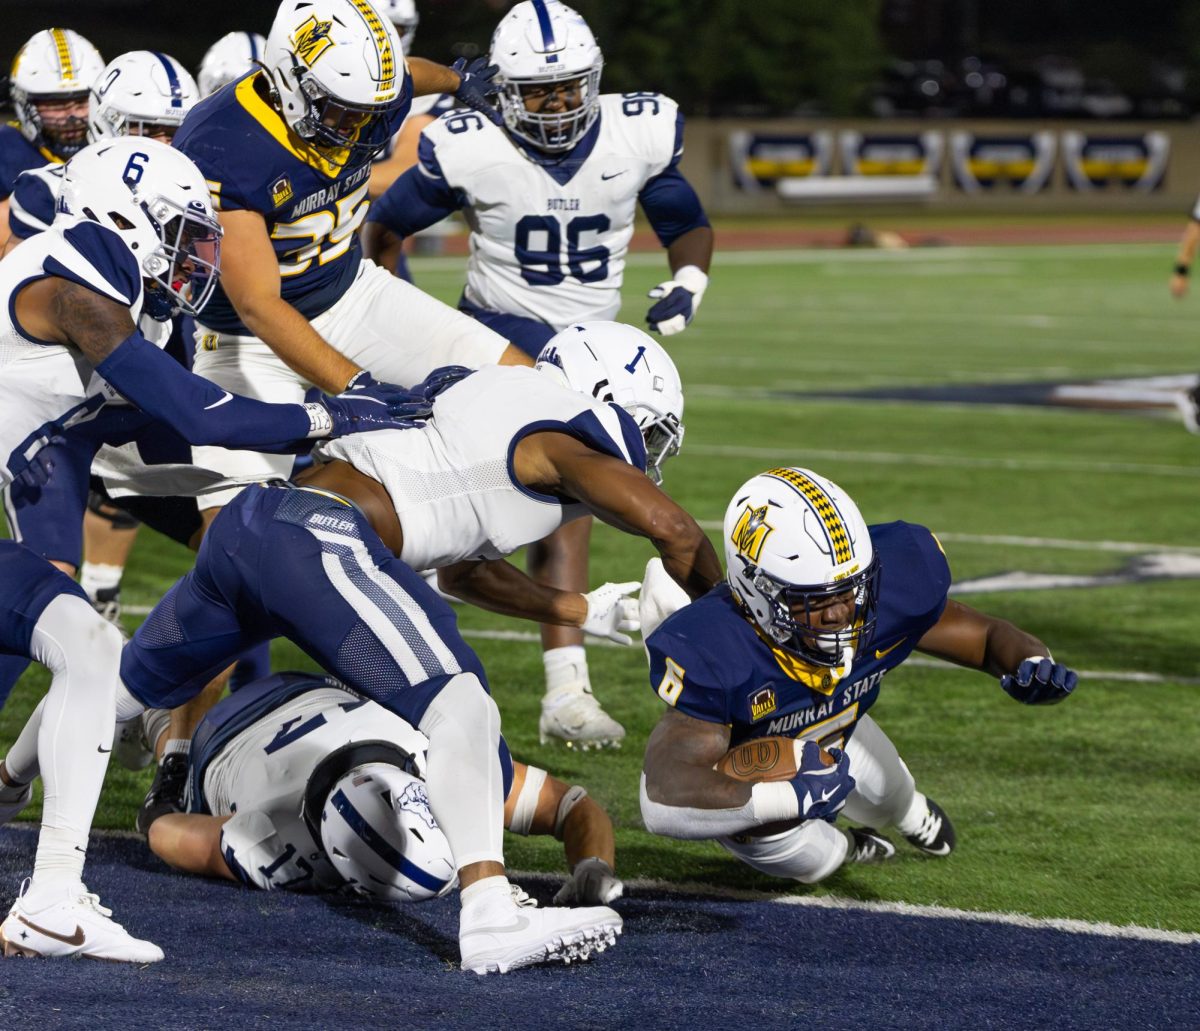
x: 685, y: 961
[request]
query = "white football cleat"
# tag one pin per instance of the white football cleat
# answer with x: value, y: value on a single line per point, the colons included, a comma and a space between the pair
x: 502, y: 932
x: 573, y: 716
x: 71, y: 923
x: 9, y: 807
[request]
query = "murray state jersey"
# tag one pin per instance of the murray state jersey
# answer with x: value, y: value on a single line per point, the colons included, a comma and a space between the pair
x: 548, y: 241
x: 16, y: 155
x: 709, y: 661
x: 312, y: 206
x: 452, y: 482
x: 46, y: 387
x: 255, y: 751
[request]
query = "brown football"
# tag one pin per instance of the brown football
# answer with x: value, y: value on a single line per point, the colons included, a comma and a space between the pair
x: 767, y: 758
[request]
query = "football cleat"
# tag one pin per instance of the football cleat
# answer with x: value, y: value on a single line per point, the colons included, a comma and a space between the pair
x: 166, y: 791
x: 869, y: 846
x: 1188, y: 403
x: 130, y: 747
x: 71, y: 923
x: 499, y: 933
x: 108, y: 603
x: 935, y: 837
x: 9, y: 807
x: 573, y: 716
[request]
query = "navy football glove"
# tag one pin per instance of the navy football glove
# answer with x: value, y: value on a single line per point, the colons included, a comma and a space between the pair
x: 440, y: 380
x: 380, y: 406
x: 822, y: 790
x: 477, y: 86
x: 26, y: 487
x: 678, y: 299
x: 1040, y: 681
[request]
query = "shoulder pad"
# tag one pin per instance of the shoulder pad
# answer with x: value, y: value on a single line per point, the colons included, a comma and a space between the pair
x: 96, y: 257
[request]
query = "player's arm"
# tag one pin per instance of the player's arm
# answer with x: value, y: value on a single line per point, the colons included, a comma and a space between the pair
x: 1184, y: 256
x: 499, y: 586
x: 538, y: 803
x: 624, y: 497
x: 250, y: 277
x: 971, y: 638
x: 103, y: 330
x: 421, y: 197
x: 6, y: 237
x: 191, y: 842
x: 401, y: 159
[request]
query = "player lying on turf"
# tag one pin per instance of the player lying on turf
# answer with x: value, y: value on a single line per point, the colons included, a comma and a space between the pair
x: 297, y: 783
x: 783, y: 661
x: 508, y: 455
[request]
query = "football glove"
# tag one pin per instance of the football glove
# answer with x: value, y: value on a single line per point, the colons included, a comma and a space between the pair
x: 374, y: 406
x: 822, y: 790
x: 441, y: 380
x: 660, y: 596
x: 610, y: 611
x: 26, y: 486
x: 592, y: 883
x: 477, y: 86
x: 1040, y: 681
x: 678, y: 299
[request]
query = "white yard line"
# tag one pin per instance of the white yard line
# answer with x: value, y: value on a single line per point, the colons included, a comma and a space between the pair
x: 1080, y: 465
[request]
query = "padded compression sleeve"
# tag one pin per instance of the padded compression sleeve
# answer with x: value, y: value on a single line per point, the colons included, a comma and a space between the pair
x: 769, y: 802
x: 200, y: 411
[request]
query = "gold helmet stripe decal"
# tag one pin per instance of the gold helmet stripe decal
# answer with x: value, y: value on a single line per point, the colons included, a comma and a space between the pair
x: 826, y: 510
x: 383, y: 44
x: 62, y: 46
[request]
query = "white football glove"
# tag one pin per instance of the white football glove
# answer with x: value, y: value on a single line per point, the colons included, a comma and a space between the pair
x: 660, y: 596
x: 592, y: 883
x: 610, y: 611
x: 678, y: 300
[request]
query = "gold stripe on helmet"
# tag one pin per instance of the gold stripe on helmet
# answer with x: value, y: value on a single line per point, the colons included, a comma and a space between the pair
x: 822, y: 503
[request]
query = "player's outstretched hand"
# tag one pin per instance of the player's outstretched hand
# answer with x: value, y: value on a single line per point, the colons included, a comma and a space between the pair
x: 822, y: 790
x: 377, y: 406
x: 592, y: 883
x: 478, y: 86
x: 678, y: 299
x: 1040, y: 681
x: 610, y: 611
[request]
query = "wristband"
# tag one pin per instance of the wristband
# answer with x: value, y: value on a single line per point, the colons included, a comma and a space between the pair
x: 692, y: 278
x: 1181, y: 269
x: 320, y: 422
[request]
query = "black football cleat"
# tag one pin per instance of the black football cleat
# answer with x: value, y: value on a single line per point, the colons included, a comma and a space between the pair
x: 936, y: 834
x: 166, y: 791
x: 869, y: 846
x: 1188, y: 403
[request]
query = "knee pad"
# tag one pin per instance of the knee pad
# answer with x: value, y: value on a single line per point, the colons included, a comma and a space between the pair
x: 116, y: 517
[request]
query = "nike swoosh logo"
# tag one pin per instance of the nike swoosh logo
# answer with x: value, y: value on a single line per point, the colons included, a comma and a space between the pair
x: 880, y: 654
x: 75, y: 939
x: 520, y: 924
x: 217, y: 404
x: 614, y: 175
x: 102, y: 750
x: 943, y: 851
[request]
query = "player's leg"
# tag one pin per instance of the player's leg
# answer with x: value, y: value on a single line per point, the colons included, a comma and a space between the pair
x: 108, y: 538
x: 885, y: 794
x: 49, y: 618
x: 375, y: 624
x: 401, y: 334
x: 570, y: 711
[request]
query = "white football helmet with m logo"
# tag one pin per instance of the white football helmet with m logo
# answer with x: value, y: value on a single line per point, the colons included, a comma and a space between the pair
x: 795, y: 542
x: 337, y: 69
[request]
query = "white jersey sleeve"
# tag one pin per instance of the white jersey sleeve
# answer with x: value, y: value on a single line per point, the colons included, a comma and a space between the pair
x: 257, y: 854
x: 549, y: 238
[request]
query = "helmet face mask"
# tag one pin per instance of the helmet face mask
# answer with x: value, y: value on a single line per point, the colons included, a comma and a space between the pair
x: 801, y: 564
x: 543, y: 48
x: 621, y: 365
x: 186, y: 266
x: 335, y: 125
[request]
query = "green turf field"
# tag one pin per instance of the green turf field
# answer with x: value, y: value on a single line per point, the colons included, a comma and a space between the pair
x: 1082, y: 810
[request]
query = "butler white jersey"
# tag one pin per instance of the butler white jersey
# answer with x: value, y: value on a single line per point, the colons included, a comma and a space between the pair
x: 542, y: 248
x: 452, y: 482
x: 245, y: 763
x: 46, y: 387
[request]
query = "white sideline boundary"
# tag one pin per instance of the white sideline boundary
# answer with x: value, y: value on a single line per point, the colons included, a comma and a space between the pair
x: 1069, y: 925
